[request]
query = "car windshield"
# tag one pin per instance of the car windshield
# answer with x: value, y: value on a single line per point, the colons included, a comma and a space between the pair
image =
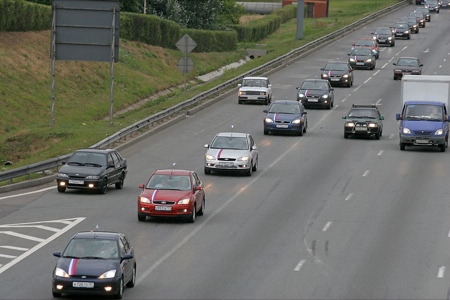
x: 408, y: 62
x: 424, y: 112
x: 230, y: 142
x: 87, y: 159
x: 314, y: 85
x: 409, y: 20
x: 400, y: 25
x: 281, y: 108
x: 363, y: 113
x: 336, y: 67
x: 361, y: 51
x: 91, y: 249
x: 365, y: 43
x: 254, y: 82
x: 169, y: 182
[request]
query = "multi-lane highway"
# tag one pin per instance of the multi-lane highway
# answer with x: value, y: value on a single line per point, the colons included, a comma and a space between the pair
x: 323, y: 217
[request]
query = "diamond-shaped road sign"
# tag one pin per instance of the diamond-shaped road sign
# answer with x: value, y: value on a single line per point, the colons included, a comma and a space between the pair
x: 186, y: 44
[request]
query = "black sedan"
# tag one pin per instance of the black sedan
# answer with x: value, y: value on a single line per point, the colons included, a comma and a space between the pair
x: 316, y: 93
x: 425, y: 11
x: 412, y: 24
x: 362, y: 57
x: 363, y: 120
x: 285, y: 116
x: 95, y: 263
x: 338, y: 73
x: 420, y: 18
x: 384, y: 36
x: 92, y: 169
x: 401, y: 30
x: 407, y: 66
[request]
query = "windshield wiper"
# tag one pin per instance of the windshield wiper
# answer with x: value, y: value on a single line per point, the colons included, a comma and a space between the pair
x: 93, y: 164
x: 75, y: 163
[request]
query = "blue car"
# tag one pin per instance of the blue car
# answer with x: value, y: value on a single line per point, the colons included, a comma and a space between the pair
x: 285, y: 116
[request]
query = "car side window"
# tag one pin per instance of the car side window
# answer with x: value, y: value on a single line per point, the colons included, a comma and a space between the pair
x: 197, y: 180
x: 110, y: 160
x: 123, y: 247
x: 117, y: 155
x: 252, y: 143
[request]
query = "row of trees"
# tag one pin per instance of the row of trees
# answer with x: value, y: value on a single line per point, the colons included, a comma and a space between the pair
x: 195, y: 14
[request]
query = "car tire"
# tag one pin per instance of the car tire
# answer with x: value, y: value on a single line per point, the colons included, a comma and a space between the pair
x: 306, y: 126
x: 402, y: 146
x: 119, y: 183
x: 132, y: 281
x: 56, y: 295
x: 240, y: 101
x: 61, y: 189
x: 192, y: 216
x: 207, y: 171
x: 377, y: 136
x: 119, y: 294
x: 346, y: 135
x: 104, y: 188
x: 202, y: 209
x: 255, y: 167
x: 442, y: 147
x: 141, y: 217
x: 249, y: 172
x: 409, y: 37
x: 266, y: 102
x: 266, y: 132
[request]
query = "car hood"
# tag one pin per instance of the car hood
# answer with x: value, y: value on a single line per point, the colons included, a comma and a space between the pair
x: 360, y: 120
x: 407, y: 68
x: 361, y: 57
x: 87, y: 267
x: 228, y: 153
x: 253, y: 88
x: 335, y: 72
x: 400, y: 29
x: 283, y: 117
x: 71, y: 170
x: 422, y: 125
x: 311, y: 93
x: 165, y: 195
x: 382, y: 36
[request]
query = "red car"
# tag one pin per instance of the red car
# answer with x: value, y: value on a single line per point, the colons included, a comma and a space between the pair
x: 172, y: 193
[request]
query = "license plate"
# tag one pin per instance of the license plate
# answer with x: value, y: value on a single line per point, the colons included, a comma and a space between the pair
x: 382, y: 40
x: 360, y: 63
x: 399, y: 34
x: 422, y: 141
x: 226, y: 164
x: 282, y: 126
x: 164, y: 208
x: 360, y: 129
x: 334, y: 79
x: 88, y: 285
x: 252, y: 97
x: 313, y: 100
x: 76, y: 181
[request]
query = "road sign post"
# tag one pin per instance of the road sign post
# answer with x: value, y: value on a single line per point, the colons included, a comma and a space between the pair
x: 185, y: 64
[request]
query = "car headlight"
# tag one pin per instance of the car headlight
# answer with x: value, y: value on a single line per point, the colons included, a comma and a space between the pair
x: 144, y: 200
x: 61, y: 273
x: 210, y: 157
x: 369, y: 60
x: 63, y: 175
x: 440, y: 131
x: 406, y: 130
x: 406, y: 31
x: 242, y: 93
x: 390, y: 38
x: 349, y: 124
x: 345, y: 76
x: 352, y: 59
x: 108, y: 274
x: 373, y: 125
x: 374, y: 37
x: 268, y: 120
x: 325, y: 96
x: 95, y: 177
x: 296, y: 121
x: 301, y: 95
x: 324, y: 75
x: 243, y: 158
x: 184, y: 201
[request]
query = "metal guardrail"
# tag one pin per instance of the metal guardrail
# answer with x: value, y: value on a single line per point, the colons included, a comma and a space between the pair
x: 55, y: 163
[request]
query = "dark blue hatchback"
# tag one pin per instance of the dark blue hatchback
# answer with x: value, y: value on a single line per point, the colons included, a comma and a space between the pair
x: 285, y: 116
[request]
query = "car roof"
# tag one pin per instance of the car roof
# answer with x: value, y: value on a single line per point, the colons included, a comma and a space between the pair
x: 264, y: 78
x: 177, y: 172
x: 233, y: 134
x: 104, y: 235
x: 290, y: 102
x: 337, y: 62
x: 365, y: 106
x: 95, y: 150
x: 316, y: 80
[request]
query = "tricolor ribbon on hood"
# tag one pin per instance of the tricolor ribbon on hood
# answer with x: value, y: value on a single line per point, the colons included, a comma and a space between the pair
x: 73, y: 266
x: 219, y: 153
x: 306, y: 93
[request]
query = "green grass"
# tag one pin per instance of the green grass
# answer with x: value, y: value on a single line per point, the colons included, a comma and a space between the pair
x: 82, y: 89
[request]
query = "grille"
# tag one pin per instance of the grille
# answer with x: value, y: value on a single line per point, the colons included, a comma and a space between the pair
x: 253, y: 92
x: 282, y: 122
x: 165, y: 202
x: 422, y: 132
x: 226, y: 159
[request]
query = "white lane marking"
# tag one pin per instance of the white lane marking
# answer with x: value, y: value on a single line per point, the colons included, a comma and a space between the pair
x: 376, y: 73
x: 445, y: 59
x: 440, y: 66
x: 14, y: 248
x: 366, y: 173
x: 448, y: 234
x: 73, y: 223
x: 28, y: 193
x: 378, y: 102
x: 441, y: 272
x: 426, y: 51
x: 368, y: 79
x: 357, y: 89
x: 34, y: 226
x: 225, y: 204
x: 380, y: 153
x: 384, y: 65
x: 22, y: 236
x: 349, y: 196
x: 391, y: 136
x: 300, y: 265
x: 325, y: 228
x: 7, y: 256
x: 404, y: 48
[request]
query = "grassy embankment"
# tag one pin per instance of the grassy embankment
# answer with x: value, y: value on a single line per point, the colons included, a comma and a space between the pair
x: 83, y: 88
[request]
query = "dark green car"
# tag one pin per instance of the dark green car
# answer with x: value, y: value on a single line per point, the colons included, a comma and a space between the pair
x: 363, y: 120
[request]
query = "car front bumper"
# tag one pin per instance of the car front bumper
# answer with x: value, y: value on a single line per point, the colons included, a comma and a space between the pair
x: 82, y: 184
x: 422, y: 140
x: 314, y: 102
x: 99, y: 288
x: 274, y: 127
x: 175, y: 211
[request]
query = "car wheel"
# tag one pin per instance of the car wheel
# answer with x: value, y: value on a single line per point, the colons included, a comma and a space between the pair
x: 266, y: 102
x: 104, y: 188
x: 409, y: 37
x: 132, y: 281
x: 202, y: 209
x: 207, y: 171
x: 306, y: 126
x: 402, y: 146
x: 119, y: 184
x: 332, y: 103
x: 266, y: 132
x: 56, y: 295
x: 61, y: 189
x: 395, y: 78
x: 191, y: 218
x: 442, y: 147
x: 346, y: 135
x: 255, y: 167
x: 240, y: 101
x: 141, y: 217
x: 250, y: 171
x: 119, y: 294
x: 377, y: 136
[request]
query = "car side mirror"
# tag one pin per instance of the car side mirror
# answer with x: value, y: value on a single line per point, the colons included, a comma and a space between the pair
x: 254, y: 147
x: 265, y: 111
x: 206, y: 146
x: 394, y: 64
x: 421, y: 65
x: 304, y: 113
x: 398, y: 117
x: 270, y: 85
x: 322, y: 69
x: 126, y: 257
x: 344, y: 117
x: 239, y: 85
x: 141, y: 185
x: 381, y: 118
x: 348, y: 54
x: 57, y: 254
x: 198, y: 188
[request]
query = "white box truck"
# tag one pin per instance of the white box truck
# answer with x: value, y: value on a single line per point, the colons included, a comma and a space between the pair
x: 424, y: 118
